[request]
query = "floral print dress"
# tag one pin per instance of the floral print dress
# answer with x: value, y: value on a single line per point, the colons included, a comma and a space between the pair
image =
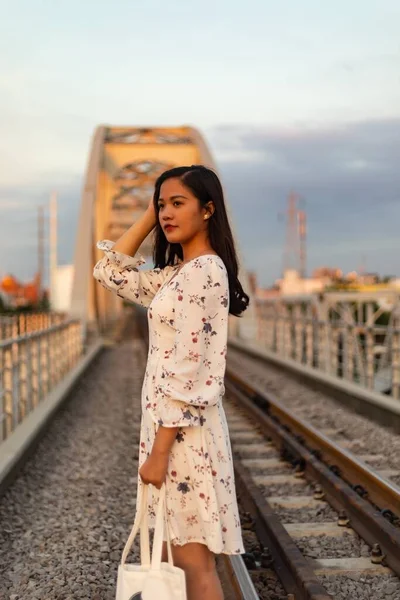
x: 183, y: 387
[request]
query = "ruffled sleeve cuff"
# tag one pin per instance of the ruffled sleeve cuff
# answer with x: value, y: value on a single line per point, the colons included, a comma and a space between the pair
x: 119, y: 259
x: 173, y: 413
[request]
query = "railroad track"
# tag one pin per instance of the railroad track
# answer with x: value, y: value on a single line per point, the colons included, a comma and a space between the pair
x: 305, y: 497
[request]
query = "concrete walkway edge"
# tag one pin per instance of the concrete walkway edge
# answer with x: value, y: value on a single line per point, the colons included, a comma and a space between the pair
x: 16, y: 449
x: 378, y: 407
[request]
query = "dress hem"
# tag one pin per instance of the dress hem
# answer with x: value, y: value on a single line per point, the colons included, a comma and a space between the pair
x: 175, y: 542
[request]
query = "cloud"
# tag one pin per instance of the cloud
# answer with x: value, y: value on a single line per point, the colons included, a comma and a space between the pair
x: 300, y: 150
x: 348, y: 181
x: 347, y: 178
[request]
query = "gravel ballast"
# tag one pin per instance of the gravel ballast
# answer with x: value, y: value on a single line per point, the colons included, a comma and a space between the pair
x: 362, y: 587
x: 375, y: 444
x: 324, y: 412
x: 324, y: 546
x: 66, y: 519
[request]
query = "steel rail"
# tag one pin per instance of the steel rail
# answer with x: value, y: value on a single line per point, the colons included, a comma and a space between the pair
x: 236, y: 581
x: 381, y: 492
x: 293, y: 569
x: 363, y: 516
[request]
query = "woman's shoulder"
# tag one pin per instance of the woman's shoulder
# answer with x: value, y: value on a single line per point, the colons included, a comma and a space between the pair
x: 205, y: 267
x: 205, y: 259
x: 206, y: 262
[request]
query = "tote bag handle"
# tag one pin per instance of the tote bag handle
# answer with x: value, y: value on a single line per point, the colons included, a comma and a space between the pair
x: 141, y: 522
x: 161, y: 520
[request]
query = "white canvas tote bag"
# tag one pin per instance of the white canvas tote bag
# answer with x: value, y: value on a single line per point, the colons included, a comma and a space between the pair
x: 152, y: 579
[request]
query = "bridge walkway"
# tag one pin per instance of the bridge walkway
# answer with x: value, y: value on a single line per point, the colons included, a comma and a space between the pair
x: 67, y: 515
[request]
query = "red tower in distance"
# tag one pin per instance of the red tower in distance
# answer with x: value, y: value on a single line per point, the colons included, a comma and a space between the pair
x: 295, y: 253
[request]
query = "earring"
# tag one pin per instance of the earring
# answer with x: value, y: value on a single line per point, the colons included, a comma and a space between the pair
x: 206, y: 216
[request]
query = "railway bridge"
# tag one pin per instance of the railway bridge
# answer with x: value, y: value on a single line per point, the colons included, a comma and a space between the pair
x: 312, y: 403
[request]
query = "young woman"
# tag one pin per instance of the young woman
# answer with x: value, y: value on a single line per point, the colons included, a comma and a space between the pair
x: 184, y: 435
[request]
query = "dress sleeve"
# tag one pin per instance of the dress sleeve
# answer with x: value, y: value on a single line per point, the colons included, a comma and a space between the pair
x: 119, y: 273
x: 192, y: 374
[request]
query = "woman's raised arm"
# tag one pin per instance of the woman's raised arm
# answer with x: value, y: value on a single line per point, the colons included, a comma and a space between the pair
x: 118, y: 270
x: 130, y: 241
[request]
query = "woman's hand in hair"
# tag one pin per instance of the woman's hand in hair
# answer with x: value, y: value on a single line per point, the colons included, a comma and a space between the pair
x: 151, y: 213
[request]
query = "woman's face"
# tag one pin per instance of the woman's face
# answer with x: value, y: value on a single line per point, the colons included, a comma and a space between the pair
x: 180, y: 215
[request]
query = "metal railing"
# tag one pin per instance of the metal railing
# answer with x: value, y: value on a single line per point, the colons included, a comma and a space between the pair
x: 12, y: 326
x: 338, y: 334
x: 31, y: 365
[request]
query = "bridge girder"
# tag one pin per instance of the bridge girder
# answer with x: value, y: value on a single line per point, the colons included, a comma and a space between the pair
x: 123, y: 165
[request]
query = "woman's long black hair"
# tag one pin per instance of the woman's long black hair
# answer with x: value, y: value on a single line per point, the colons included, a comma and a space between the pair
x: 206, y: 186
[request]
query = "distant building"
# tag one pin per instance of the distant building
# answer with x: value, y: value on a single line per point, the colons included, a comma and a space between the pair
x: 292, y: 284
x: 352, y: 276
x: 267, y: 293
x: 328, y: 273
x: 60, y: 297
x: 252, y: 279
x: 362, y: 278
x: 368, y: 278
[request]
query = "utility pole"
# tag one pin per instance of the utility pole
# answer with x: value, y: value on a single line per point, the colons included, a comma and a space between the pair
x: 53, y: 248
x: 303, y: 242
x: 291, y: 252
x: 295, y: 251
x: 40, y: 252
x: 362, y: 267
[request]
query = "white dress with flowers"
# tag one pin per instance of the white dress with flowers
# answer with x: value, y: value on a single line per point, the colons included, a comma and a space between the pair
x: 183, y: 387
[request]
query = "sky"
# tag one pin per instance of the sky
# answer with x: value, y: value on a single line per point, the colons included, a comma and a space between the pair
x: 289, y: 95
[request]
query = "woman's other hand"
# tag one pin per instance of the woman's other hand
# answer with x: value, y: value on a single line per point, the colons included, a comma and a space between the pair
x: 154, y: 469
